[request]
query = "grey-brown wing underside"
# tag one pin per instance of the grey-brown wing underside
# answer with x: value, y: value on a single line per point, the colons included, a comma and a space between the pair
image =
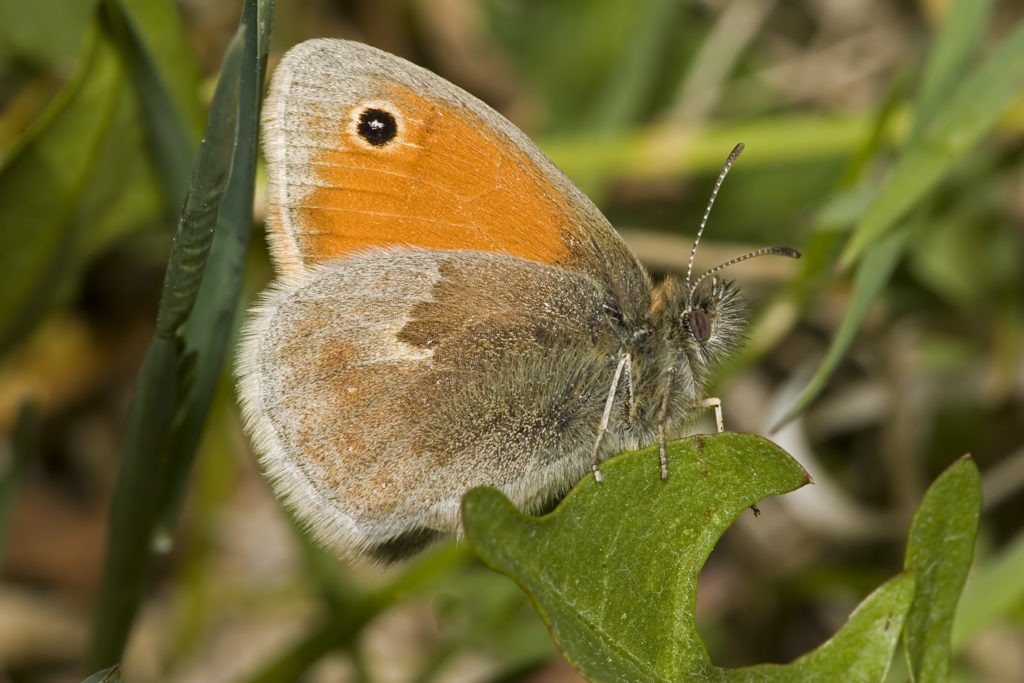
x: 388, y: 383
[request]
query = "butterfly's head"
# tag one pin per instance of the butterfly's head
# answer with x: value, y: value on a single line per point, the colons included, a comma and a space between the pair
x: 713, y: 320
x: 702, y: 325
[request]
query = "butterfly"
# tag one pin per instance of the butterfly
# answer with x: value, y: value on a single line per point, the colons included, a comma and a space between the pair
x: 449, y: 310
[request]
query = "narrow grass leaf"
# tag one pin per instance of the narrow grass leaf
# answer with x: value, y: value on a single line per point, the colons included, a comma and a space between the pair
x: 955, y: 45
x: 209, y: 330
x: 966, y: 115
x: 172, y: 139
x: 633, y: 79
x: 145, y: 460
x: 161, y: 29
x: 194, y: 235
x: 872, y: 276
x: 657, y: 152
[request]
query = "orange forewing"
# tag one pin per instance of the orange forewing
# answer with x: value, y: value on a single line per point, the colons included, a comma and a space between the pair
x: 447, y: 182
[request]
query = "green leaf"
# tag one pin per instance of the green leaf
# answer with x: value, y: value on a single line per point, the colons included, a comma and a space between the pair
x: 861, y: 651
x: 968, y: 113
x: 939, y: 550
x: 41, y: 183
x: 613, y: 570
x: 162, y: 34
x: 207, y: 187
x: 76, y: 181
x: 143, y: 460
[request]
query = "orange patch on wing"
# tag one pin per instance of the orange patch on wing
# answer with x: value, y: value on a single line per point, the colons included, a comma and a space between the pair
x: 446, y: 182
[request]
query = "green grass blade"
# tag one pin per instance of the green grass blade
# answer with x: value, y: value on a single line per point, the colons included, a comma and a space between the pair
x: 969, y: 113
x: 633, y: 80
x: 872, y: 276
x: 171, y: 137
x: 145, y: 454
x: 143, y: 459
x: 207, y: 187
x: 653, y: 152
x: 209, y: 330
x: 161, y: 29
x: 955, y: 45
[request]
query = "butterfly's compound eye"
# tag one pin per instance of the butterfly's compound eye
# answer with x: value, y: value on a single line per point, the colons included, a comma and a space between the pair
x: 699, y: 325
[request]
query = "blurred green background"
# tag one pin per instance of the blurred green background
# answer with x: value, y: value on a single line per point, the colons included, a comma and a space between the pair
x: 639, y: 102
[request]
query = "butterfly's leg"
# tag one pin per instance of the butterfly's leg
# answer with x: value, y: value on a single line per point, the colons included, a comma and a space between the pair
x: 715, y: 403
x: 631, y: 394
x: 662, y: 418
x: 606, y: 416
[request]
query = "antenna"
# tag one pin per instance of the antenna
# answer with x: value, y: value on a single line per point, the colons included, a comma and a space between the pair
x: 763, y: 251
x: 733, y: 155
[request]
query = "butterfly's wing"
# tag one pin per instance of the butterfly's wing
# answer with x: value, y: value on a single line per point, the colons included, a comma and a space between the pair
x: 365, y: 150
x: 383, y: 386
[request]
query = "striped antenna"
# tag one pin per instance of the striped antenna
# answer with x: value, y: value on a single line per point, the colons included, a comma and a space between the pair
x: 763, y: 251
x: 707, y: 212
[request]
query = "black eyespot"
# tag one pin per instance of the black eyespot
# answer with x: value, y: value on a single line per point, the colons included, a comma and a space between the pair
x: 377, y: 127
x: 700, y: 326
